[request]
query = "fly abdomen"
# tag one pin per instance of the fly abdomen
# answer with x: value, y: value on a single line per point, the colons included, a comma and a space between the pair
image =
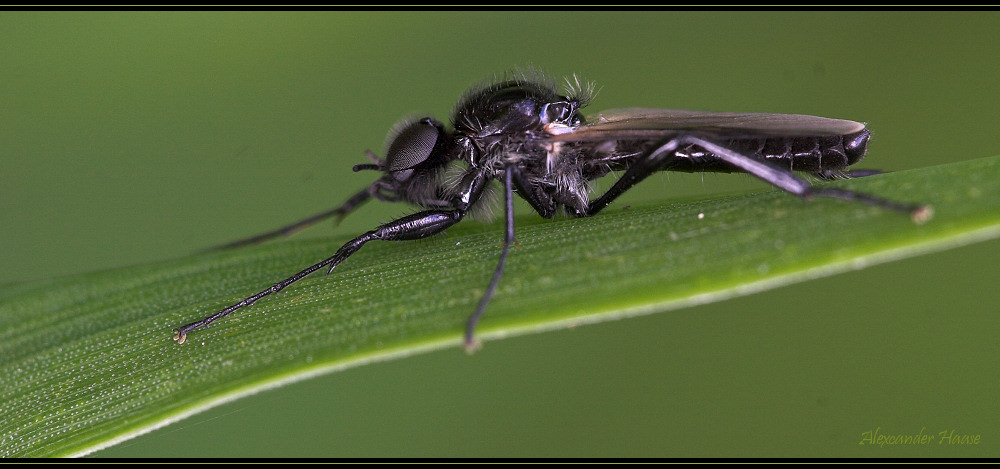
x: 855, y: 145
x: 809, y: 153
x: 831, y: 152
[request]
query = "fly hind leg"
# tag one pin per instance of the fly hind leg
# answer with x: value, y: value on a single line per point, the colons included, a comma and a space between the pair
x: 660, y: 156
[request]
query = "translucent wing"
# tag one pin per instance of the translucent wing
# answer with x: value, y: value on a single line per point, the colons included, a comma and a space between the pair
x: 638, y: 123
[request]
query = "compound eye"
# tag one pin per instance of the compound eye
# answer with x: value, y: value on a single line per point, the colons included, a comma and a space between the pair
x: 411, y: 146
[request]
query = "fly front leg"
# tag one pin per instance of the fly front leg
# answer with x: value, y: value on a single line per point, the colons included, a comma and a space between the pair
x: 660, y: 156
x: 415, y: 226
x: 339, y: 212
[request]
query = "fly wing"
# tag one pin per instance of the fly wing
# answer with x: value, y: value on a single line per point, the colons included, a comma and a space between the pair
x: 641, y: 123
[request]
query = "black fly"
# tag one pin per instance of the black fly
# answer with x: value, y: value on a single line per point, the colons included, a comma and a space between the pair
x: 534, y: 141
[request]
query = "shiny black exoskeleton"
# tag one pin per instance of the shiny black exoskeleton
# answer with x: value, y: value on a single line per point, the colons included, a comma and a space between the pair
x: 522, y: 133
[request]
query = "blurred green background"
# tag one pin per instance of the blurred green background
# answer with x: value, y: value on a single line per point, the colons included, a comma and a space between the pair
x: 134, y: 137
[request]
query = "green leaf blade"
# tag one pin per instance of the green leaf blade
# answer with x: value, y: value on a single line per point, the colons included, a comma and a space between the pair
x: 89, y: 360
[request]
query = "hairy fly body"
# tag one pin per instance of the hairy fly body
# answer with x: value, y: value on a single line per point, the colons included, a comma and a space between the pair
x: 534, y: 142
